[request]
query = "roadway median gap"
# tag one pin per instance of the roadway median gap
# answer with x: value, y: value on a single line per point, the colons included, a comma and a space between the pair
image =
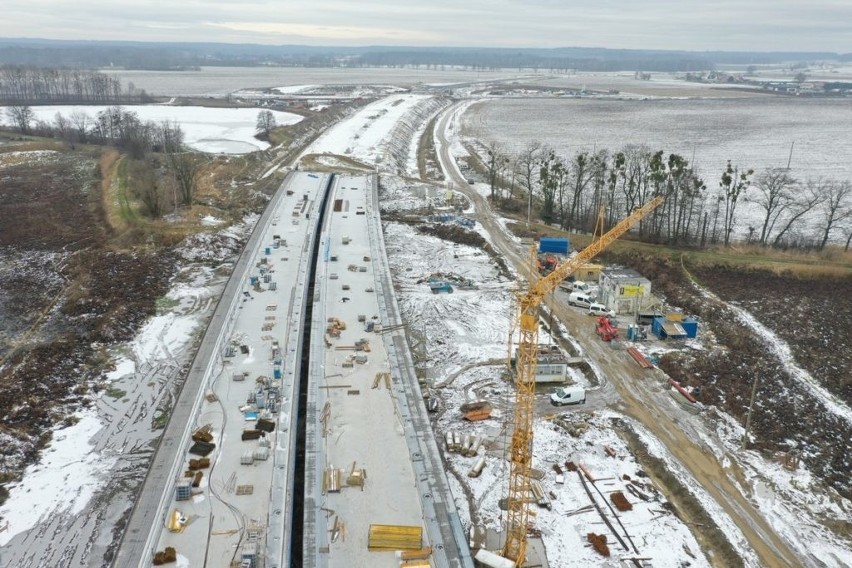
x: 298, y: 511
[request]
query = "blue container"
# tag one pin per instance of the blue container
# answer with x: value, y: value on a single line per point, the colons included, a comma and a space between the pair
x: 557, y: 245
x: 252, y: 280
x: 690, y: 326
x: 268, y: 250
x: 657, y: 327
x: 276, y: 373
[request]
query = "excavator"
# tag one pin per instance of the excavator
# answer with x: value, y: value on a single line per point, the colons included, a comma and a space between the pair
x: 529, y: 309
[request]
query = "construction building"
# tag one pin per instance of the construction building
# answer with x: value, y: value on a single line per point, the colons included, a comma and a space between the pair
x: 623, y: 290
x: 551, y: 365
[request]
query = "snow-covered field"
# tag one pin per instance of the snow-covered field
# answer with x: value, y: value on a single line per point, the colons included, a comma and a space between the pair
x: 214, y: 130
x: 756, y: 133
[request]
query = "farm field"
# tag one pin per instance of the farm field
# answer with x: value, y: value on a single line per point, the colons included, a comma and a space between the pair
x: 752, y: 132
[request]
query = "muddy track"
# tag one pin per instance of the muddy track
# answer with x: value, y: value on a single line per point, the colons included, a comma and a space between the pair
x: 648, y: 404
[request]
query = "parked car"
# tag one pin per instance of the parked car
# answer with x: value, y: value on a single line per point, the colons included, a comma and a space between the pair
x: 568, y: 395
x: 600, y: 310
x: 580, y: 299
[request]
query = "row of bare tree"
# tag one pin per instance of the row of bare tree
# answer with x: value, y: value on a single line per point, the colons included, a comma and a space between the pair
x: 27, y: 85
x: 570, y: 191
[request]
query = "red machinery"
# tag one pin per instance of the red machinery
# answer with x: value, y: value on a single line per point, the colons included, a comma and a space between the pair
x: 547, y: 263
x: 605, y: 329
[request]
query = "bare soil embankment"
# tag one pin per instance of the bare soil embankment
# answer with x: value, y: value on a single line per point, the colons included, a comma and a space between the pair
x: 785, y: 409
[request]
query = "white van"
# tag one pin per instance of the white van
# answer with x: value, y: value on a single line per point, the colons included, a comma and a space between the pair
x: 576, y: 287
x: 568, y: 395
x: 580, y: 299
x: 600, y: 310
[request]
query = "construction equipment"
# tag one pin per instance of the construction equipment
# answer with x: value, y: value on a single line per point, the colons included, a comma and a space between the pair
x: 605, y: 329
x: 165, y: 556
x: 547, y: 263
x: 176, y: 521
x: 529, y: 309
x: 335, y: 326
x: 441, y: 286
x: 476, y: 410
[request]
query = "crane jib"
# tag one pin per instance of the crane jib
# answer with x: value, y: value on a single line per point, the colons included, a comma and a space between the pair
x: 529, y: 303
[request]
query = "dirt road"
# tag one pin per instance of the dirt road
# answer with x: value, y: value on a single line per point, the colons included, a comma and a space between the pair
x: 643, y: 396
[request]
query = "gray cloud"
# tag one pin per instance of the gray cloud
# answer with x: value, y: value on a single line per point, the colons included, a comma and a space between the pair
x: 788, y: 25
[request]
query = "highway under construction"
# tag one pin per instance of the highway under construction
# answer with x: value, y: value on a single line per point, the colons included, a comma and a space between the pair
x: 301, y: 437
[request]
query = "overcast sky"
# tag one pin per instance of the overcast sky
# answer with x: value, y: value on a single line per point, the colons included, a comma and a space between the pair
x: 748, y: 25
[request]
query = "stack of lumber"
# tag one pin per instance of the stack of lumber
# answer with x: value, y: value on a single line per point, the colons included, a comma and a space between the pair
x: 394, y: 537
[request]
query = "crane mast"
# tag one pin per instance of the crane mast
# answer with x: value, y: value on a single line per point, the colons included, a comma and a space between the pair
x: 529, y: 307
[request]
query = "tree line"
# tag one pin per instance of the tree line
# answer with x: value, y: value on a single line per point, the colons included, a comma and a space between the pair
x: 570, y: 191
x: 151, y: 147
x: 29, y: 85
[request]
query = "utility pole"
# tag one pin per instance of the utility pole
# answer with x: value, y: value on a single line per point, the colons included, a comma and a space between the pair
x: 750, y: 408
x: 790, y: 159
x: 529, y: 209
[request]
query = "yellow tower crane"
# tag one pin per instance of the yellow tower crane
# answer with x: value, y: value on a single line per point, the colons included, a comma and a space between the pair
x: 529, y: 308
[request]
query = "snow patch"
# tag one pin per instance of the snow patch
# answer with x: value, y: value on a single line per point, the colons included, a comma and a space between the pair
x: 63, y: 481
x: 206, y: 129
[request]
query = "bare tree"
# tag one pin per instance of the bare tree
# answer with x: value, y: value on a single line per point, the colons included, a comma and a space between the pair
x: 526, y: 165
x: 65, y: 130
x: 804, y: 201
x: 733, y: 184
x: 582, y: 173
x: 170, y: 137
x: 146, y: 187
x: 774, y: 189
x: 551, y: 172
x: 836, y: 208
x: 265, y: 123
x: 185, y: 167
x: 496, y: 162
x: 21, y: 117
x: 80, y: 121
